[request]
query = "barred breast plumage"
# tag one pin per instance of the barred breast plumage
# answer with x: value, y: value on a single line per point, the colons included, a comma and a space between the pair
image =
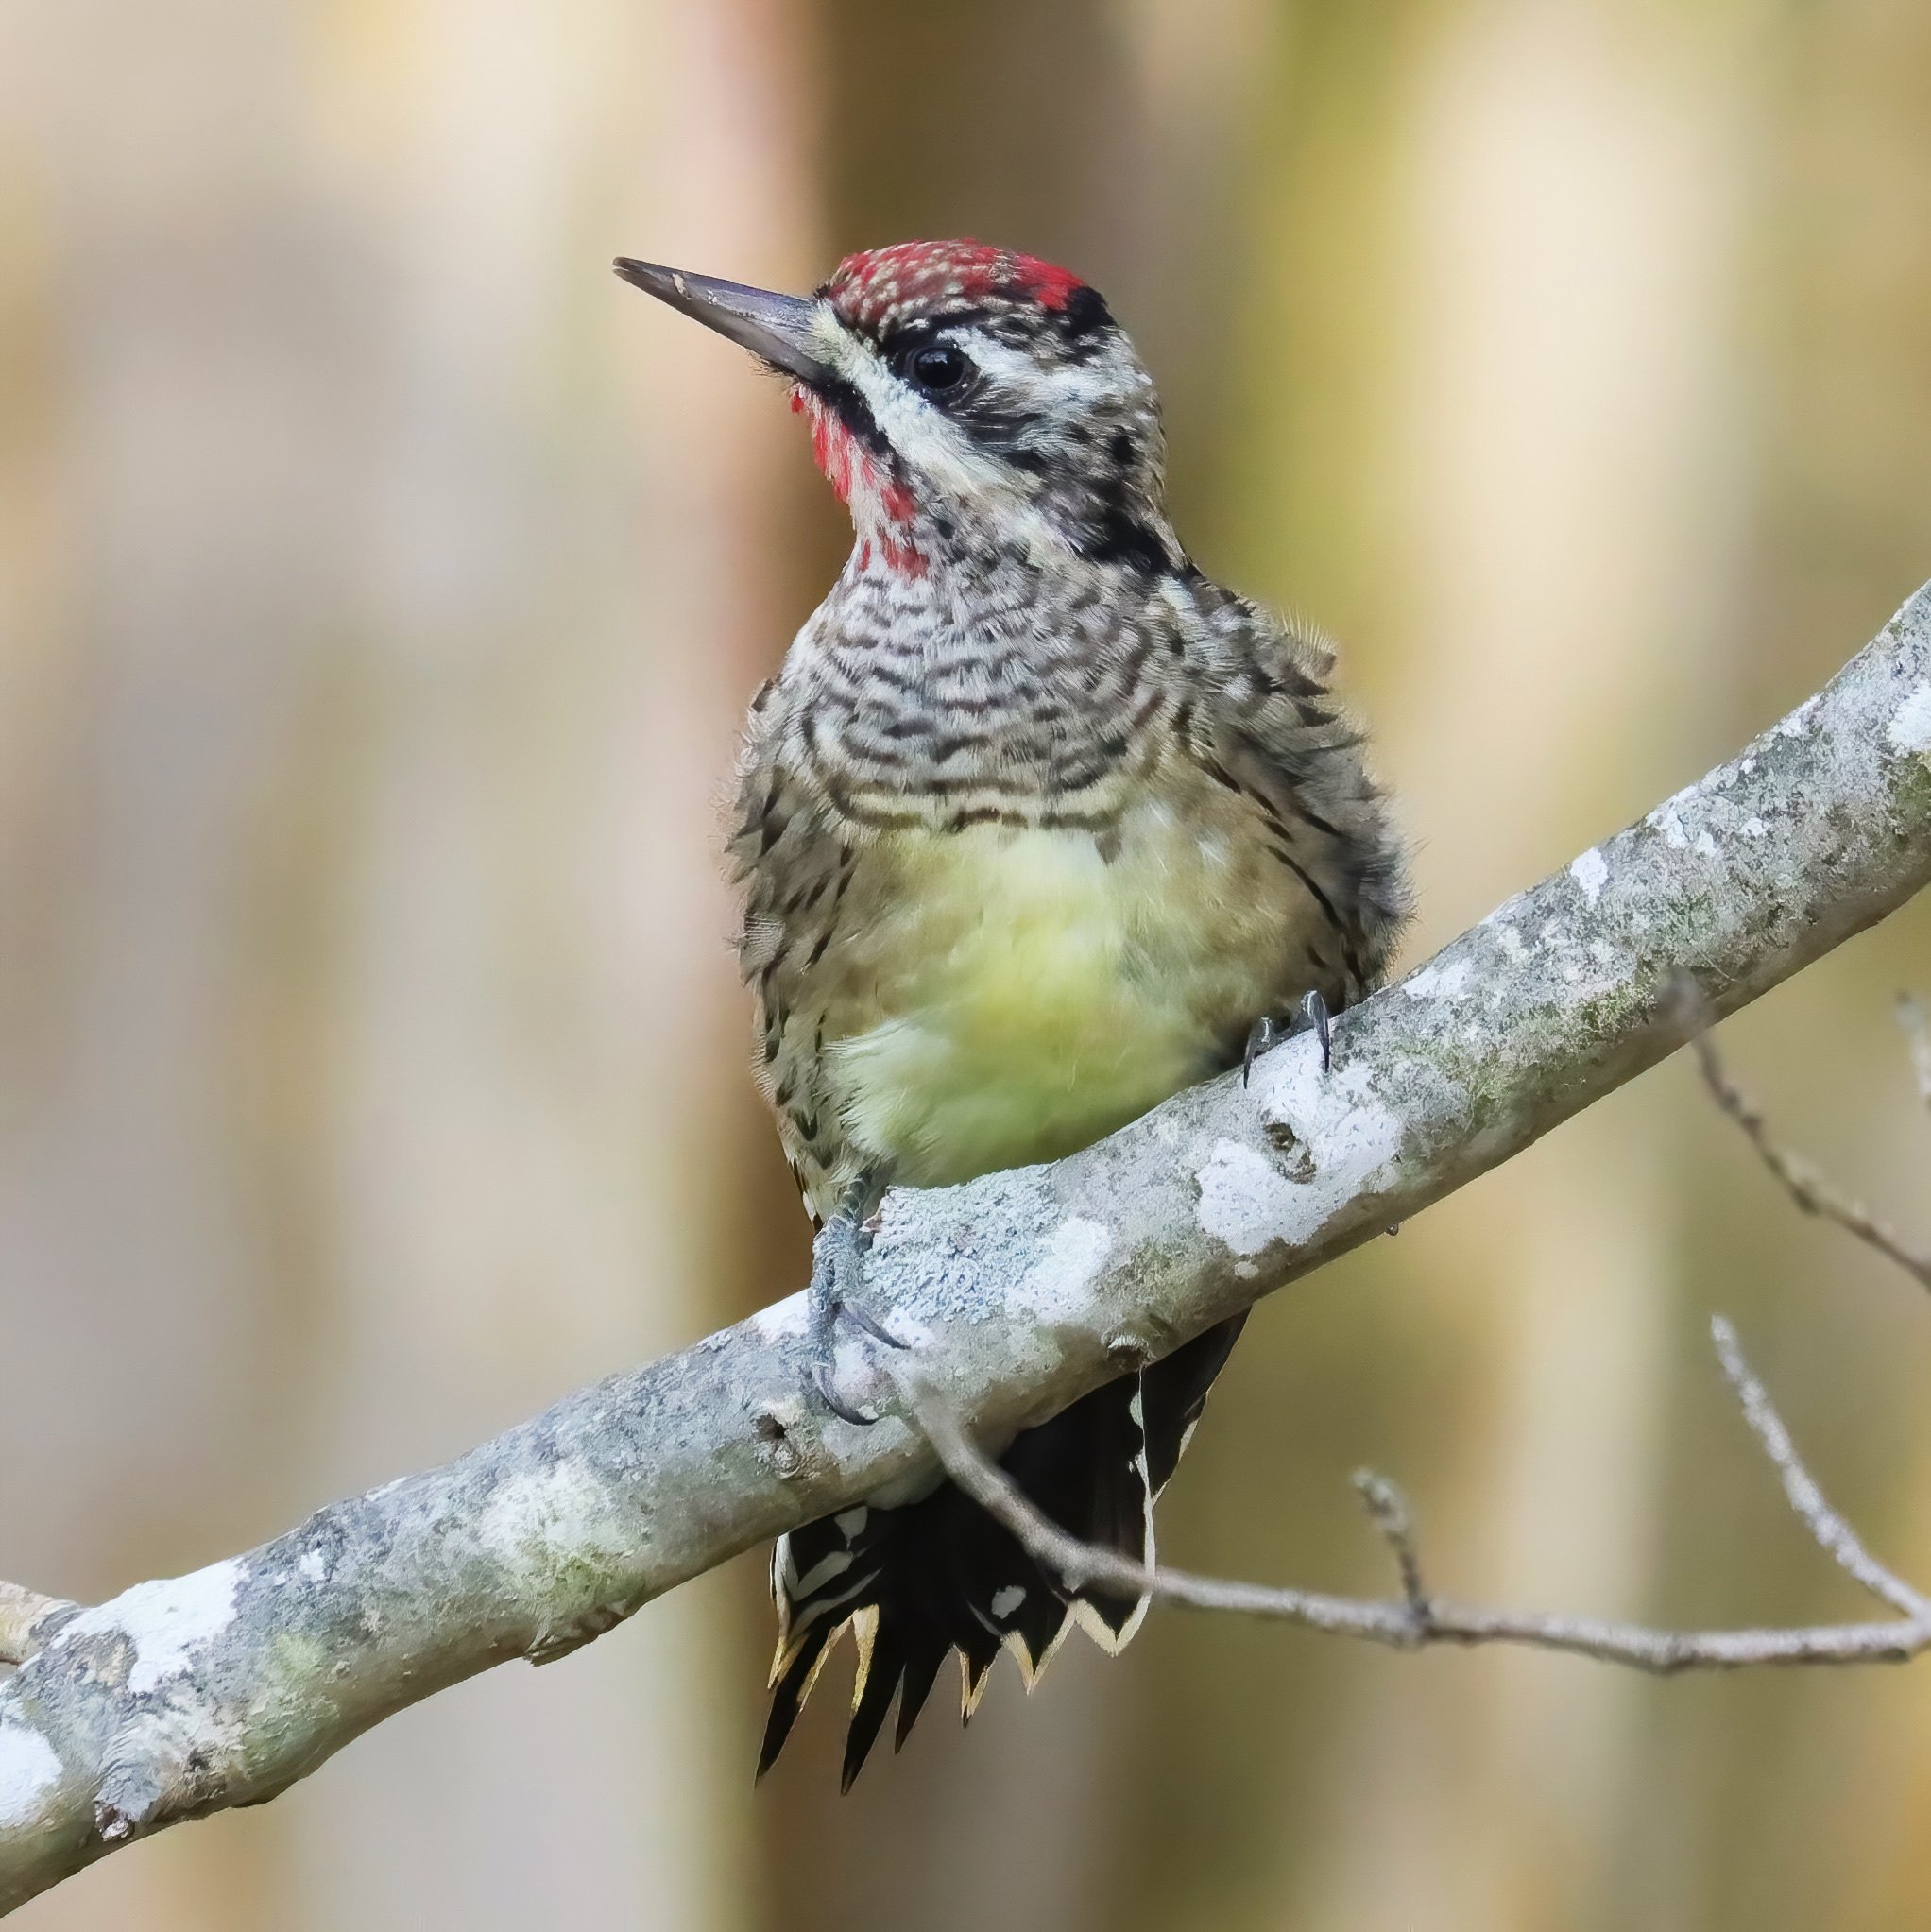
x: 1004, y: 894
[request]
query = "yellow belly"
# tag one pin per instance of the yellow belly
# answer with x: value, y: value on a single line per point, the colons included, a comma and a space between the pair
x: 1006, y: 996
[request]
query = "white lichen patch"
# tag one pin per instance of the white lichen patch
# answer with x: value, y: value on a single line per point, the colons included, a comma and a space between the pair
x: 1244, y: 1199
x: 1668, y: 818
x: 170, y: 1619
x: 539, y: 1520
x: 1511, y: 942
x: 1438, y: 982
x: 1909, y: 731
x: 1706, y: 845
x: 783, y: 1321
x: 163, y: 1622
x: 1753, y: 828
x: 1055, y: 1288
x: 1591, y: 872
x: 1346, y: 1134
x: 28, y: 1769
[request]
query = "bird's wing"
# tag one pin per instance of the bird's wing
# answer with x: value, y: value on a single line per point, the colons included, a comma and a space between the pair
x: 1264, y: 724
x: 794, y: 859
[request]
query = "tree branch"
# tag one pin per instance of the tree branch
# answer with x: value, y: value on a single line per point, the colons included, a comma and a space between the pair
x: 26, y: 1618
x: 1802, y: 1179
x: 1832, y: 1535
x: 1020, y: 1292
x: 1420, y: 1617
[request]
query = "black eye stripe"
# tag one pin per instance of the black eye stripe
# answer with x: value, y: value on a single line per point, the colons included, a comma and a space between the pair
x: 855, y: 413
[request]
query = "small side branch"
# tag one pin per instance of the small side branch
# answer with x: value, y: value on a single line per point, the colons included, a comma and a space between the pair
x: 185, y: 1695
x: 1830, y: 1531
x: 1799, y: 1178
x: 1389, y: 1512
x: 28, y: 1620
x: 1419, y: 1618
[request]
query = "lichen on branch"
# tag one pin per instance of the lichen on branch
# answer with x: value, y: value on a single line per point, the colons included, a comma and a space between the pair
x: 1019, y: 1292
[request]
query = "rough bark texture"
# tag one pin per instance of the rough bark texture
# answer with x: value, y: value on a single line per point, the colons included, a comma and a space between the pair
x: 1020, y: 1292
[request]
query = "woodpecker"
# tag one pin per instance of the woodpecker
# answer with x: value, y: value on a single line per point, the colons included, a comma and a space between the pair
x: 1037, y: 825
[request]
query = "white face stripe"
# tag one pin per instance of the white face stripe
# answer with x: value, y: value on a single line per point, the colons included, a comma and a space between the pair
x: 931, y: 445
x: 1064, y: 387
x: 922, y: 434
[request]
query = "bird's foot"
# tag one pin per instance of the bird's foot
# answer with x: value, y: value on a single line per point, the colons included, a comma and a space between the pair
x: 1267, y: 1032
x: 837, y: 1277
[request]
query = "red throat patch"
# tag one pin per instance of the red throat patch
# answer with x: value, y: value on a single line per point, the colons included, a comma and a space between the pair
x: 877, y: 288
x: 882, y: 506
x: 875, y: 291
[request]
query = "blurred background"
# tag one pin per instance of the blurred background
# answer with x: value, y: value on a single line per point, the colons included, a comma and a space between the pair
x: 380, y: 586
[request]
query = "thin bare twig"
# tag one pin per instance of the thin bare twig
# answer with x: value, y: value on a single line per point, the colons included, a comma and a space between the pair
x: 1389, y: 1512
x: 1918, y: 1039
x: 256, y: 1668
x: 1833, y: 1536
x: 26, y: 1620
x: 1420, y: 1617
x: 1801, y: 1179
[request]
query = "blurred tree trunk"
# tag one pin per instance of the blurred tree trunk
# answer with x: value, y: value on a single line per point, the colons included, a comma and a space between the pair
x: 1569, y: 268
x: 379, y: 586
x: 380, y: 610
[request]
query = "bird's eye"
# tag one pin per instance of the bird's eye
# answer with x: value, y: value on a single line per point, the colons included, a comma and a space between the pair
x: 937, y: 368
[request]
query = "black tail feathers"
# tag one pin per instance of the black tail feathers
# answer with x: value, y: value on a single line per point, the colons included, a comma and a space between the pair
x: 940, y: 1575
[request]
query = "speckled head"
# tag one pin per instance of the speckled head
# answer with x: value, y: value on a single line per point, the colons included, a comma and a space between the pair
x: 959, y: 395
x: 879, y: 290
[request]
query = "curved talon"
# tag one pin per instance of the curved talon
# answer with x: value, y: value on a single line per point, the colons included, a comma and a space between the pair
x: 819, y: 1374
x: 1313, y: 1016
x: 837, y: 1271
x: 1310, y: 1016
x: 868, y: 1323
x: 1264, y: 1034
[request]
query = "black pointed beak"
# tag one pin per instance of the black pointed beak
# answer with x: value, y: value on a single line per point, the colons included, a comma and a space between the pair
x: 776, y: 328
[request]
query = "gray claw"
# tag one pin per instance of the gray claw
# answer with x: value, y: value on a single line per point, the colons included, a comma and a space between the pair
x: 868, y: 1323
x: 819, y: 1375
x: 1264, y: 1034
x: 837, y: 1273
x: 1313, y: 1016
x: 1310, y: 1016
